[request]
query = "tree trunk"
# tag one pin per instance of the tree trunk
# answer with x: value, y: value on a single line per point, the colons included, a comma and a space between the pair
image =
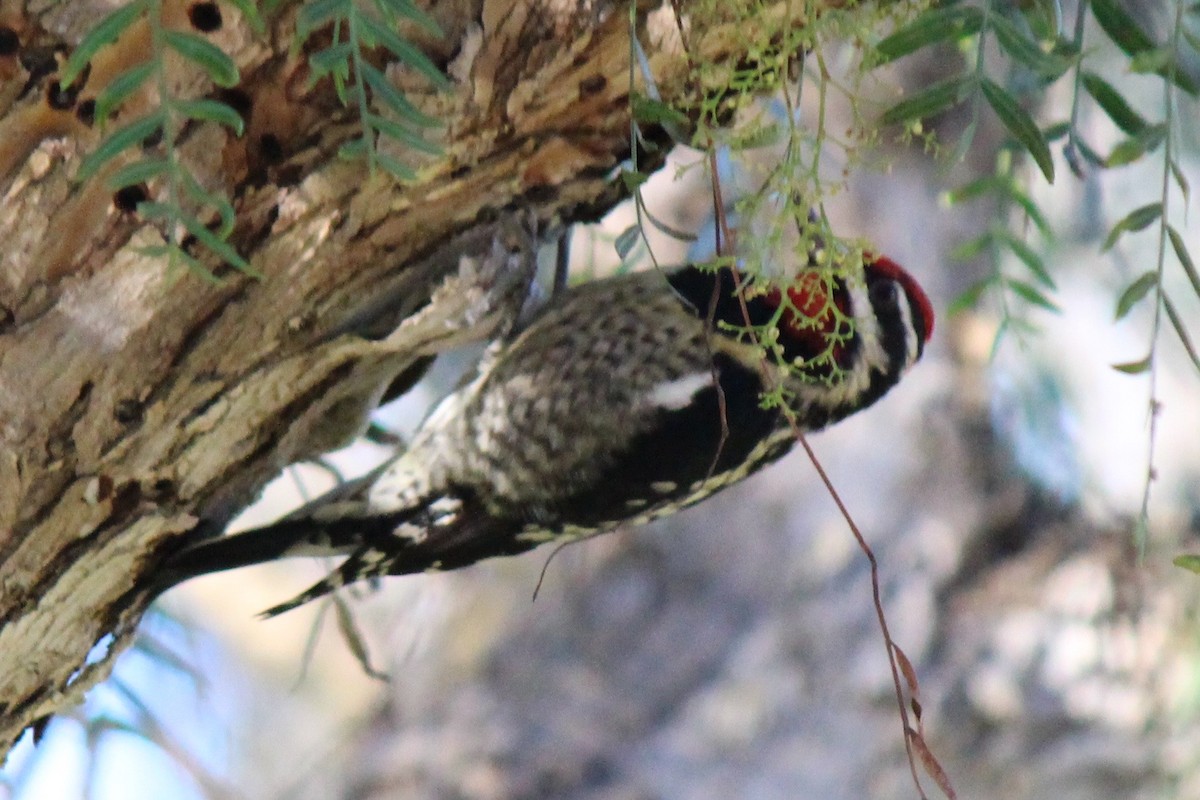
x: 135, y: 402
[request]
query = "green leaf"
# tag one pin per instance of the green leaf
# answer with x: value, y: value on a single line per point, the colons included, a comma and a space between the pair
x: 970, y: 298
x: 971, y: 249
x: 316, y: 13
x: 1025, y: 51
x: 1183, y: 79
x: 174, y: 253
x: 1113, y: 104
x: 930, y: 101
x: 354, y: 148
x: 1181, y: 331
x: 250, y: 11
x: 405, y: 51
x: 651, y: 111
x: 1129, y: 150
x: 965, y: 140
x: 1123, y: 29
x: 674, y: 233
x: 201, y: 196
x: 1182, y: 182
x: 1133, y: 367
x: 212, y: 111
x: 1030, y: 294
x: 406, y: 9
x: 120, y: 88
x: 1089, y: 155
x: 194, y: 264
x: 228, y: 216
x: 395, y: 130
x: 1031, y: 210
x: 137, y: 172
x: 760, y: 134
x: 132, y: 134
x: 390, y: 97
x: 1128, y: 35
x: 1185, y: 258
x: 353, y: 638
x: 104, y: 32
x: 1188, y: 562
x: 335, y: 58
x: 212, y: 59
x: 1135, y: 220
x: 1027, y: 256
x: 1020, y: 125
x: 1056, y: 131
x: 633, y: 179
x: 1191, y: 38
x: 1044, y: 17
x: 1155, y: 60
x: 396, y: 167
x: 1006, y: 323
x: 655, y: 112
x: 1135, y: 292
x: 152, y: 209
x: 937, y: 25
x: 976, y: 188
x: 626, y: 241
x: 219, y: 247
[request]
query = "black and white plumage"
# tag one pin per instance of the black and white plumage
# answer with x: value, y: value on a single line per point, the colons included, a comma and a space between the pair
x: 624, y: 400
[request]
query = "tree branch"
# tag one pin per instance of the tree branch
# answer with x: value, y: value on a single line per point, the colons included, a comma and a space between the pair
x: 136, y: 403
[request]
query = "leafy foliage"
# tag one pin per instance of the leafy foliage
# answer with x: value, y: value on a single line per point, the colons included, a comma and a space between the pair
x: 786, y: 48
x: 185, y: 202
x: 1039, y: 54
x: 190, y: 213
x: 357, y: 78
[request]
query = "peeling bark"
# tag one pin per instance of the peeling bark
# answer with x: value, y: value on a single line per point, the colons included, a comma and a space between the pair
x: 134, y: 403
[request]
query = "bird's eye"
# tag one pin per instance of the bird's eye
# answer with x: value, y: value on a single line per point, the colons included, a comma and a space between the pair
x: 884, y: 294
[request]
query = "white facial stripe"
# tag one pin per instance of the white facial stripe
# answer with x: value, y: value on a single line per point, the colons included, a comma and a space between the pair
x: 911, y: 343
x: 866, y: 329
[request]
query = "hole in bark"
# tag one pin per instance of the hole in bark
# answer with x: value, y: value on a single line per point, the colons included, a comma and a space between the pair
x: 127, y: 411
x: 239, y: 100
x: 86, y: 111
x: 541, y: 194
x: 59, y: 98
x: 9, y: 41
x: 205, y: 17
x: 127, y: 199
x: 589, y: 86
x: 40, y: 61
x: 271, y: 148
x: 153, y: 139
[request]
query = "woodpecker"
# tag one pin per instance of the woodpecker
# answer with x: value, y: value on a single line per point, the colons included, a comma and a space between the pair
x: 623, y: 400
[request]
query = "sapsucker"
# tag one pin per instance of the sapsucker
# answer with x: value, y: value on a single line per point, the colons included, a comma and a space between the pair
x: 623, y: 400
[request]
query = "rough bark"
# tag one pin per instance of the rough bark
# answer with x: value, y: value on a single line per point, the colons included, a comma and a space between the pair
x: 134, y: 403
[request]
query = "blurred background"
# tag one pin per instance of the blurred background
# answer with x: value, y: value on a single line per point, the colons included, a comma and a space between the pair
x: 733, y: 651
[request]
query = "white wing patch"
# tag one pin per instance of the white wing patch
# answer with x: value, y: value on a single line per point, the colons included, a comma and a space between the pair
x: 678, y: 393
x: 414, y: 533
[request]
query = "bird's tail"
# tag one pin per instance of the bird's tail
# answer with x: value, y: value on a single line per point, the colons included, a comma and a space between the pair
x: 443, y: 533
x: 257, y: 546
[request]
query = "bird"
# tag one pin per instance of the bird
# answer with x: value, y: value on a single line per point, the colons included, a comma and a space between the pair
x: 625, y: 399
